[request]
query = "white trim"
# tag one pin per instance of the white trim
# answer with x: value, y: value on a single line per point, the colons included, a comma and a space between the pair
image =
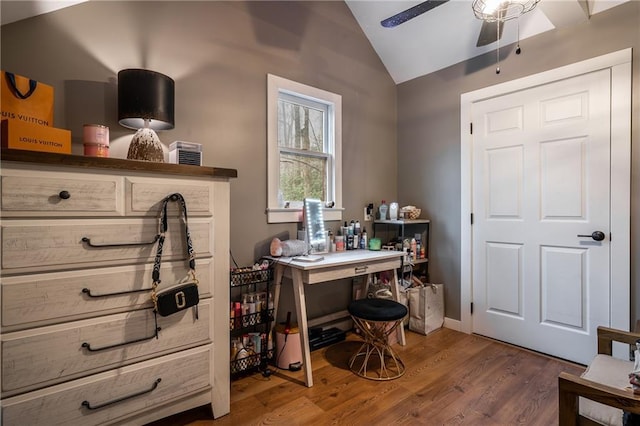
x: 275, y: 85
x: 452, y: 324
x: 620, y: 65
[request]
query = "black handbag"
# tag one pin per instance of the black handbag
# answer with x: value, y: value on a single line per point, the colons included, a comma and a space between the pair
x: 184, y: 294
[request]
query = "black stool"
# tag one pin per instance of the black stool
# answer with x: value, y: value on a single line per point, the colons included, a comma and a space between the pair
x: 377, y: 319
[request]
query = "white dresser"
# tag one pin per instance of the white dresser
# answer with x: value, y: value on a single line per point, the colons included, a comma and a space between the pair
x: 78, y: 341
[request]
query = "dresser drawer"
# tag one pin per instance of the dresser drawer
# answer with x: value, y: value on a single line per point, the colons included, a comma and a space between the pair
x: 143, y: 196
x: 60, y: 194
x: 155, y: 382
x: 44, y: 299
x: 49, y: 355
x: 321, y: 275
x: 58, y: 244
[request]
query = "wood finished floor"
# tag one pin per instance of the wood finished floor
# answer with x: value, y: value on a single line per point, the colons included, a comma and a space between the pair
x: 452, y: 378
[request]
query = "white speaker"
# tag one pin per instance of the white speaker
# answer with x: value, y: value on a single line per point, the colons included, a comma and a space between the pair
x: 181, y: 152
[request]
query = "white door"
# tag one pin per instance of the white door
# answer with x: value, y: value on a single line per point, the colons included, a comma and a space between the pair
x: 541, y: 188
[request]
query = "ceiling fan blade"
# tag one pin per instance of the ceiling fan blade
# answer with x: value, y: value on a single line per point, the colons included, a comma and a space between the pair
x: 411, y: 13
x: 489, y: 33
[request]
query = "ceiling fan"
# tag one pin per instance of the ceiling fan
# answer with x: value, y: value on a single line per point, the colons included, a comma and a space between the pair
x: 490, y: 31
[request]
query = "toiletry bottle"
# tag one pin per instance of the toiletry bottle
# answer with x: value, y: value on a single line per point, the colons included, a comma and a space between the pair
x: 234, y: 350
x: 358, y: 228
x: 232, y: 317
x: 259, y: 302
x: 252, y: 308
x: 383, y: 210
x: 245, y: 311
x: 413, y: 248
x: 238, y: 314
x: 363, y: 239
x: 393, y: 211
x: 339, y: 241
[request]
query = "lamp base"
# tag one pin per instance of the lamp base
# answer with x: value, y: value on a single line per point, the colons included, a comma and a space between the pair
x: 146, y: 146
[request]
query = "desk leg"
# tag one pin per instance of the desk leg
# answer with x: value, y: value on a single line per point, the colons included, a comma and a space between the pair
x: 395, y: 290
x: 301, y: 313
x: 279, y: 271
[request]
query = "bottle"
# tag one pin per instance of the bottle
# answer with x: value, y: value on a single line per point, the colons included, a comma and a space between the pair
x: 383, y: 210
x: 363, y: 239
x: 245, y: 311
x: 234, y: 350
x: 358, y: 228
x: 339, y: 241
x: 252, y: 303
x: 238, y: 314
x: 393, y: 211
x: 270, y: 305
x: 413, y: 248
x: 259, y: 302
x: 232, y: 316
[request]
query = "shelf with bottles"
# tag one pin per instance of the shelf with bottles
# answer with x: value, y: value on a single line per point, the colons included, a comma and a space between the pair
x: 253, y: 309
x: 250, y: 319
x: 411, y: 235
x: 248, y: 353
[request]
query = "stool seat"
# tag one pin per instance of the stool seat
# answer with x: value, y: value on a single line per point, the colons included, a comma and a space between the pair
x: 377, y: 309
x: 376, y: 319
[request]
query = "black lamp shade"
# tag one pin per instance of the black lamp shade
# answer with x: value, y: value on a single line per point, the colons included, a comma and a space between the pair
x: 145, y: 95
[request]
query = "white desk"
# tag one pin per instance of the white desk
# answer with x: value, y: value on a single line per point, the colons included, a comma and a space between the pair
x: 334, y: 266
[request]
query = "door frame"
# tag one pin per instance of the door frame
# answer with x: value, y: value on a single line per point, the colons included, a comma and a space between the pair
x: 620, y: 255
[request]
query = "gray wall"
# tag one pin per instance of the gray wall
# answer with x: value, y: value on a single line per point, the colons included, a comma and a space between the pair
x: 429, y: 131
x: 219, y: 54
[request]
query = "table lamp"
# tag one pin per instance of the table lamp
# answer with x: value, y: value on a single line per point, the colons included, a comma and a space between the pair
x: 145, y: 103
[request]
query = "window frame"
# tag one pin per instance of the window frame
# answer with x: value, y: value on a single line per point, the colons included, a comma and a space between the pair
x: 275, y: 86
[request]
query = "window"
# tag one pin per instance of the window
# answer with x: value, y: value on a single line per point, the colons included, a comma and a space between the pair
x: 304, y: 149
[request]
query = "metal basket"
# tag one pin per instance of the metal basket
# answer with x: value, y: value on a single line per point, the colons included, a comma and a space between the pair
x: 249, y: 277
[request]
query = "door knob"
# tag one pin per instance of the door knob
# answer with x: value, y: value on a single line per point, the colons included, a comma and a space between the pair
x: 596, y: 235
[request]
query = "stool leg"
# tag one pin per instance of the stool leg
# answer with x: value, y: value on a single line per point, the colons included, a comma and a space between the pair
x: 376, y: 342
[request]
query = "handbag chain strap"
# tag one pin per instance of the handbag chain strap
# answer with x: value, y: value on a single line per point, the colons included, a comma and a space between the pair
x: 163, y: 225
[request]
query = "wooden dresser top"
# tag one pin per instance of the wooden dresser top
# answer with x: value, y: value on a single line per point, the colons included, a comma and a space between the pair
x: 37, y: 157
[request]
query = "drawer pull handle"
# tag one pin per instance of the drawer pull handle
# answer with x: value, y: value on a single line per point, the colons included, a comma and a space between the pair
x: 361, y: 269
x: 65, y: 195
x: 88, y: 405
x: 88, y: 347
x: 119, y: 293
x: 144, y: 243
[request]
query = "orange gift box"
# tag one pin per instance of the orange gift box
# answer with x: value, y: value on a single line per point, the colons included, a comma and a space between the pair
x: 18, y: 134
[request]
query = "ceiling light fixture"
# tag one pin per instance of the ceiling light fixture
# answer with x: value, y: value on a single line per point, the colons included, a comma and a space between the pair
x: 501, y: 11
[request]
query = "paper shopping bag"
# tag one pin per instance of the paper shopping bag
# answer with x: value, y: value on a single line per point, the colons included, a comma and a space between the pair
x: 25, y: 99
x: 426, y: 308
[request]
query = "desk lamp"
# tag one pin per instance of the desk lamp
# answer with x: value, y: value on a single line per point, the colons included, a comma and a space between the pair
x: 145, y: 103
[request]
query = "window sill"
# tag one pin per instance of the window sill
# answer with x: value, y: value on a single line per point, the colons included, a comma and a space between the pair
x: 295, y: 215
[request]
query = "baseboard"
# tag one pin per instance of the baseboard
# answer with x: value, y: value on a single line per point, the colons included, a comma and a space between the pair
x: 452, y: 324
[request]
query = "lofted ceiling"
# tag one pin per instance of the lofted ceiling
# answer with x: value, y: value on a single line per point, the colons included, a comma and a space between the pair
x: 447, y: 34
x: 434, y: 40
